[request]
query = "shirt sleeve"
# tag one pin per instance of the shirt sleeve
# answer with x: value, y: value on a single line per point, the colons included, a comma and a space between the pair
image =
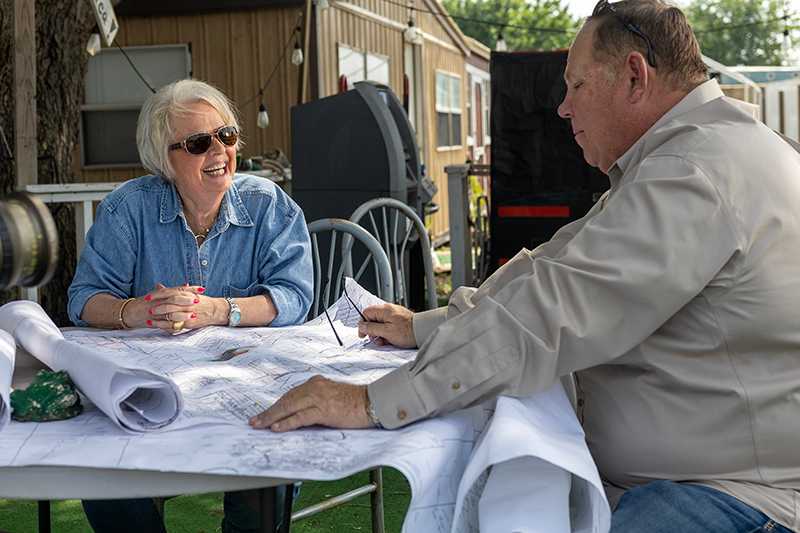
x: 426, y: 322
x: 106, y: 264
x: 286, y: 271
x: 582, y: 302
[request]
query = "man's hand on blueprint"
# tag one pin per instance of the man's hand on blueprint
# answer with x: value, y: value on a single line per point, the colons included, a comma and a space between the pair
x: 318, y: 401
x: 388, y: 324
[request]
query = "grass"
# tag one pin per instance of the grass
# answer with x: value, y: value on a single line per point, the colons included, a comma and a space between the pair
x: 202, y: 513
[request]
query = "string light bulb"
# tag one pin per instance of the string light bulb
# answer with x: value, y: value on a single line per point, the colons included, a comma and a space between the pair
x: 262, y: 121
x: 500, y: 45
x: 93, y: 45
x: 411, y: 33
x: 297, y: 55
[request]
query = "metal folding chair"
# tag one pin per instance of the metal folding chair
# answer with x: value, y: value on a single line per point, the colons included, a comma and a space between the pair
x: 352, y: 240
x: 397, y: 227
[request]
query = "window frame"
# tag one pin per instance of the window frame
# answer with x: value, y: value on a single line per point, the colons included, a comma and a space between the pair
x: 449, y: 109
x: 123, y: 106
x: 364, y: 55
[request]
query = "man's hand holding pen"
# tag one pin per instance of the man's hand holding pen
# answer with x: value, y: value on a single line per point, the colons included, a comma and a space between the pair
x: 388, y: 324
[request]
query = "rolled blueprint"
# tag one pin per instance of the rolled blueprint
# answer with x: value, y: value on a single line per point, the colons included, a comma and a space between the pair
x: 136, y: 399
x: 7, y: 351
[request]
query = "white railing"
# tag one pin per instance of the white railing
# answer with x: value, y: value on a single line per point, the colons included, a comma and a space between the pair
x: 82, y: 196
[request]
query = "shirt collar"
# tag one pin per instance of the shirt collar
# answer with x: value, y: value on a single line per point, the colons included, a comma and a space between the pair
x: 231, y: 211
x: 700, y: 95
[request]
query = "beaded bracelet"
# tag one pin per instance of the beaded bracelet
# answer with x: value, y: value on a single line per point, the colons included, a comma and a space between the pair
x: 121, y: 320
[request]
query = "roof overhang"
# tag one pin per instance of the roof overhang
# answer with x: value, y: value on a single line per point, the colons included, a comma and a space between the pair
x: 144, y: 8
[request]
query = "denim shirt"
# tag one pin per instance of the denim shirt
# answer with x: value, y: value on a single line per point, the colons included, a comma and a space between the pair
x: 259, y: 244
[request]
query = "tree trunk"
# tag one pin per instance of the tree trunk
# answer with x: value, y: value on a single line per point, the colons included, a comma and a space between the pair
x: 62, y: 29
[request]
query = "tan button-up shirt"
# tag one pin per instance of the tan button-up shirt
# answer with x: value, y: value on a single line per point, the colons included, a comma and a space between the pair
x: 675, y: 301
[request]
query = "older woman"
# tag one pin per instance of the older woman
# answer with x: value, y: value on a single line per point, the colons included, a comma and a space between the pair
x: 191, y: 245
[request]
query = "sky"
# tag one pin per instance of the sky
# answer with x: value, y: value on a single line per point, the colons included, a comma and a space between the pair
x: 583, y: 8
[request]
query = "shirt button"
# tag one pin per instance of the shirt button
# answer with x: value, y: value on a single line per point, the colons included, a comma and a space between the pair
x: 456, y: 385
x: 401, y: 414
x: 204, y: 262
x: 580, y: 402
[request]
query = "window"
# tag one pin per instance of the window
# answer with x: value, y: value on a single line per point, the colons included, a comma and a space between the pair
x: 356, y: 65
x: 487, y: 102
x: 470, y: 111
x: 114, y: 95
x: 448, y: 110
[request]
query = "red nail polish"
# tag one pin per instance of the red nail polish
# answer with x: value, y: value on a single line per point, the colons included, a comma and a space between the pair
x: 194, y: 315
x: 148, y: 298
x: 197, y: 300
x: 150, y: 311
x: 149, y: 322
x: 201, y: 290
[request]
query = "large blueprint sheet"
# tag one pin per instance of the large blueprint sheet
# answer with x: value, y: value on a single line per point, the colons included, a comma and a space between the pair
x: 211, y: 435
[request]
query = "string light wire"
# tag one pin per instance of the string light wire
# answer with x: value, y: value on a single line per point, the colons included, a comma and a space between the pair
x: 286, y: 47
x: 136, y: 70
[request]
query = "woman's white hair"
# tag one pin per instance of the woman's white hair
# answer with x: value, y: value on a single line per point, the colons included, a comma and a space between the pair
x: 154, y: 131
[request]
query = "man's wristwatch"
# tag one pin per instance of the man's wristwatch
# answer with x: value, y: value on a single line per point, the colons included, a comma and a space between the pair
x: 234, y: 314
x: 371, y: 414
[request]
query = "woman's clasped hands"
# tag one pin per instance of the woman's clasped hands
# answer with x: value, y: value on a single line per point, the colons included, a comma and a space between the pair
x: 175, y: 309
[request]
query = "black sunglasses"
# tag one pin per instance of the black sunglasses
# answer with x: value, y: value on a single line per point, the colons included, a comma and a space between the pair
x: 199, y: 143
x: 604, y: 5
x: 338, y: 339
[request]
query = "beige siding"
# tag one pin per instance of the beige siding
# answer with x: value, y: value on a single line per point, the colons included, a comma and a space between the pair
x: 437, y: 58
x: 340, y: 26
x: 434, y: 24
x: 236, y: 52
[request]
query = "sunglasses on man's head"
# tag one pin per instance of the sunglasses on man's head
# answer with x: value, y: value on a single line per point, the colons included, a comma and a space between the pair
x: 199, y: 143
x: 604, y: 5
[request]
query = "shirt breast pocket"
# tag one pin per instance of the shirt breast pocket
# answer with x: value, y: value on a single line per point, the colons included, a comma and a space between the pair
x: 231, y: 291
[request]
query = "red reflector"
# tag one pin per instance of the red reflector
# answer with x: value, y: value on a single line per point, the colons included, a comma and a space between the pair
x: 533, y: 211
x: 502, y: 261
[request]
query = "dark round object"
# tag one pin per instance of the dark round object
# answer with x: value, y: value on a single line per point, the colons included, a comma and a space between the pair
x: 28, y: 242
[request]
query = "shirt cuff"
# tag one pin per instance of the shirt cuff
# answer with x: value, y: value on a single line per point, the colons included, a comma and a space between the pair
x: 394, y: 399
x: 425, y: 323
x: 283, y: 307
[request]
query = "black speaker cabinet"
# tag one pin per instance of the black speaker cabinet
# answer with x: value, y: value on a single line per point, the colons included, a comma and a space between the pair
x: 540, y: 180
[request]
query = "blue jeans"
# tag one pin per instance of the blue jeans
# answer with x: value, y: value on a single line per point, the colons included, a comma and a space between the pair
x: 670, y: 507
x: 140, y: 515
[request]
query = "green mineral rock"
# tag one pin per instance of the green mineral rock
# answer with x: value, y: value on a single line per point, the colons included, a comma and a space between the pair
x: 51, y: 396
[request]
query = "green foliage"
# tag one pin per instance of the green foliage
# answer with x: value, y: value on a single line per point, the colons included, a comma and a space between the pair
x: 725, y: 33
x: 521, y: 16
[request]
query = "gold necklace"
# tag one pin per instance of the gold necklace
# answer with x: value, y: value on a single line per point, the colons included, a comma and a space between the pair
x: 200, y: 237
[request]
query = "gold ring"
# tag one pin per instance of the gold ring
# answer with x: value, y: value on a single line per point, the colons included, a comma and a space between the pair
x: 177, y: 326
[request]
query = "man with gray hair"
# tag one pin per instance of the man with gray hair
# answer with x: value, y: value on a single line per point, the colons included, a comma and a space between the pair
x: 673, y: 301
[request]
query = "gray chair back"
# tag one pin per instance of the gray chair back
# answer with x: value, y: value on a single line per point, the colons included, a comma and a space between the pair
x: 394, y: 225
x: 333, y: 244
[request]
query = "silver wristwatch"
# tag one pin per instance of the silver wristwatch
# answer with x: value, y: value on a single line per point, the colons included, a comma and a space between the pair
x: 234, y: 313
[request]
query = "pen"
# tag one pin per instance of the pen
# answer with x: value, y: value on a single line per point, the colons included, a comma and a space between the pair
x: 354, y: 305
